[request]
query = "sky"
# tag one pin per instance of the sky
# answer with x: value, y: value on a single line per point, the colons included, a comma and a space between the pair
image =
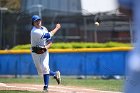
x: 95, y: 6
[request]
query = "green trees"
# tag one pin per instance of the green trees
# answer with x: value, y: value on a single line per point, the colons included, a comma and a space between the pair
x: 10, y: 4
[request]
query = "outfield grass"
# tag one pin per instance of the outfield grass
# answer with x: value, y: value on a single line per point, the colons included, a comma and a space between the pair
x: 109, y: 85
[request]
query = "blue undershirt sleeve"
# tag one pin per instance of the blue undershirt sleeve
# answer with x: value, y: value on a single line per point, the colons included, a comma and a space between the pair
x: 46, y: 35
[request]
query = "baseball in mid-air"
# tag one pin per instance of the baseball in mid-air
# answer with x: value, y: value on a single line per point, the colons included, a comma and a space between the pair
x: 97, y: 23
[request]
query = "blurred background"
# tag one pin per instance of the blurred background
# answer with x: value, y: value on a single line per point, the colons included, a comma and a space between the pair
x: 85, y: 23
x: 82, y: 21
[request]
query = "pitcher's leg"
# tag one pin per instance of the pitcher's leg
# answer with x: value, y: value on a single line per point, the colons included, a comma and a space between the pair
x: 46, y: 81
x: 45, y: 64
x: 37, y: 62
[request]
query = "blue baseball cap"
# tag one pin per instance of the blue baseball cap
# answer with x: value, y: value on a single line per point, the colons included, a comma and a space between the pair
x: 35, y: 18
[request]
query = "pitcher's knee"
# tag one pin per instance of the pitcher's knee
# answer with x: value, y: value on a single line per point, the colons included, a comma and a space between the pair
x: 46, y: 71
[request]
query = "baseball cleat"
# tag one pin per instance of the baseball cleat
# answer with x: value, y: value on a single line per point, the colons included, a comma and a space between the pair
x: 58, y: 77
x: 45, y: 89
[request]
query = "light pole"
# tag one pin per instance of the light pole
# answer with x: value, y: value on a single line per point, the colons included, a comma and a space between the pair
x: 97, y: 23
x: 85, y: 29
x: 39, y: 6
x: 39, y: 10
x: 1, y: 28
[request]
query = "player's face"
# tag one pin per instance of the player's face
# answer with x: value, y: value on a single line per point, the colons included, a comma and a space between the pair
x: 37, y: 24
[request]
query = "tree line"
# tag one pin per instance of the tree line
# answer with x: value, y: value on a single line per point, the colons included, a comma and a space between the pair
x: 10, y: 4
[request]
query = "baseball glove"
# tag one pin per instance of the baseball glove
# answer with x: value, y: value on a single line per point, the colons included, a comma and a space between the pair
x: 39, y: 50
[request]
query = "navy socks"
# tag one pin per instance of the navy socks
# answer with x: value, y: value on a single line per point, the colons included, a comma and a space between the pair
x: 46, y: 80
x: 52, y: 73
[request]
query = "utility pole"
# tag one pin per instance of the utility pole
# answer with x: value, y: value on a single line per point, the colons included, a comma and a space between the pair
x: 97, y: 23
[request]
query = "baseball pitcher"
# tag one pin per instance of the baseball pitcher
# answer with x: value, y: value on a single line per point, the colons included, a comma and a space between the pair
x: 41, y: 40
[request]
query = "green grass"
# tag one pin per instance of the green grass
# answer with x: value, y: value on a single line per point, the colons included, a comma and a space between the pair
x: 109, y: 85
x: 22, y: 80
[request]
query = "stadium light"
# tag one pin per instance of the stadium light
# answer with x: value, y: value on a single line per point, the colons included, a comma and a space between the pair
x: 39, y: 6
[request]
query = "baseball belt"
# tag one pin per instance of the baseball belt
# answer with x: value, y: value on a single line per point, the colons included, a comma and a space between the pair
x: 38, y: 49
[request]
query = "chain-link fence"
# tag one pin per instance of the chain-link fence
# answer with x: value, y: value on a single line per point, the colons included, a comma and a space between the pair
x: 16, y: 26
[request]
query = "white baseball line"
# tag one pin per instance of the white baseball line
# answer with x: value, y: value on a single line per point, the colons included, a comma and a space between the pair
x: 21, y: 87
x: 2, y: 84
